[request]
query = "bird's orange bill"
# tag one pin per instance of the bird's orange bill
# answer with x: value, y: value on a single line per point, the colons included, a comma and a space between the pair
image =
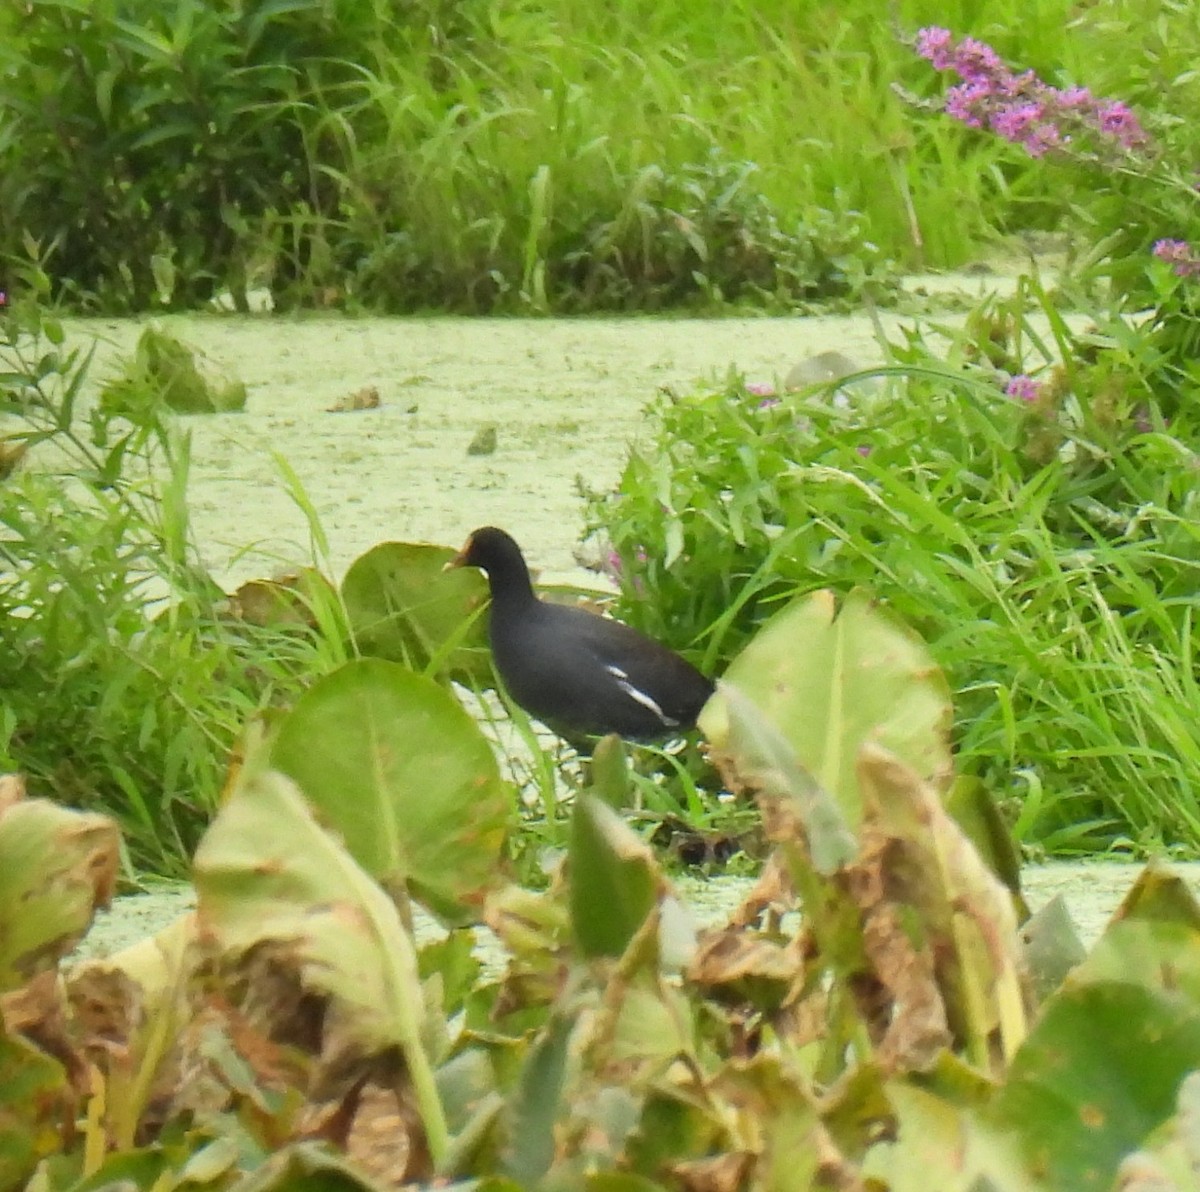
x: 460, y: 559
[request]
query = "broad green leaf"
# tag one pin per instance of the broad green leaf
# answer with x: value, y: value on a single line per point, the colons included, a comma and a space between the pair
x: 762, y: 758
x: 1171, y: 1160
x: 1098, y: 1073
x: 399, y: 768
x: 403, y: 606
x: 267, y: 874
x: 614, y: 879
x: 830, y: 680
x: 56, y: 867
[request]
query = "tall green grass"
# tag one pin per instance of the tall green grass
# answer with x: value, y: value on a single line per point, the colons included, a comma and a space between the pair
x: 126, y: 676
x: 562, y: 154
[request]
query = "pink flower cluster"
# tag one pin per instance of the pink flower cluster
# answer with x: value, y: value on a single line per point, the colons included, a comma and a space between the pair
x: 1020, y: 107
x: 615, y: 565
x: 1024, y: 388
x: 1179, y: 254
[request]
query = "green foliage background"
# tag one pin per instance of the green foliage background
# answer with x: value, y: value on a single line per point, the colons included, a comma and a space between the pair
x: 1049, y: 551
x: 524, y: 156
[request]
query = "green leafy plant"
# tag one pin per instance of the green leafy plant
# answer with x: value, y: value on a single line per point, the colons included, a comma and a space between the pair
x: 123, y: 683
x: 864, y: 1018
x: 164, y: 138
x: 1044, y: 543
x: 404, y: 156
x: 1135, y: 182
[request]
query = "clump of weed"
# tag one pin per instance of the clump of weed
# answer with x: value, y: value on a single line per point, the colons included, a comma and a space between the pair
x: 166, y: 372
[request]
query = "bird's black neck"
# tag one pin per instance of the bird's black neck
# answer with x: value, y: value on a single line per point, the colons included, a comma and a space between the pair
x: 511, y: 587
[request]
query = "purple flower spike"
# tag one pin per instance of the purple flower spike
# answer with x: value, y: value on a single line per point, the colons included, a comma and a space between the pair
x: 1076, y: 97
x: 1022, y: 108
x: 1171, y: 250
x: 1023, y: 387
x: 976, y: 61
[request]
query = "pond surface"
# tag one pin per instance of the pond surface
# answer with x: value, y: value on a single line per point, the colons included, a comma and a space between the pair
x: 566, y: 396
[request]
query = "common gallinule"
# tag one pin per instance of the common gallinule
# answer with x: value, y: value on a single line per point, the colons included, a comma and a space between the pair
x: 574, y: 670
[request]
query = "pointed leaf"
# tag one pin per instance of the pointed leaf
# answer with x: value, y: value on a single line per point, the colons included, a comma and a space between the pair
x: 974, y: 809
x: 1161, y: 896
x: 1052, y: 947
x: 394, y: 762
x: 1153, y: 939
x: 536, y: 1104
x: 614, y: 879
x: 610, y: 779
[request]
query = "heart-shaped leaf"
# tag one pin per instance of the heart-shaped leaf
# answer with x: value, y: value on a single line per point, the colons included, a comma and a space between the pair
x: 832, y: 680
x: 403, y: 606
x: 394, y: 762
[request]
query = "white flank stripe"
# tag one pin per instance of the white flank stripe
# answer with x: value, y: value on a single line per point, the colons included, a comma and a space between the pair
x: 642, y: 698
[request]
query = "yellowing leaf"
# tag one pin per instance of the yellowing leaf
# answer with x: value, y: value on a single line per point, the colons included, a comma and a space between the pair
x: 57, y: 866
x: 267, y: 874
x: 830, y: 681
